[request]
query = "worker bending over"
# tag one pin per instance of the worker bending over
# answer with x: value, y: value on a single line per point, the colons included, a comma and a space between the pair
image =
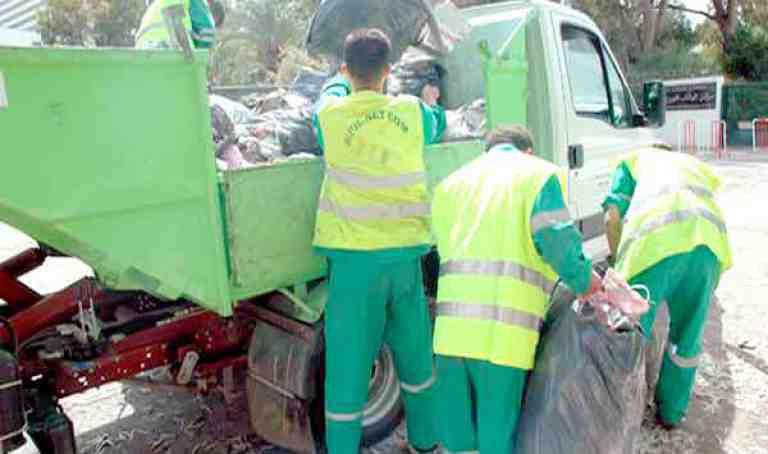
x: 504, y: 235
x: 201, y: 20
x: 667, y: 232
x: 373, y: 226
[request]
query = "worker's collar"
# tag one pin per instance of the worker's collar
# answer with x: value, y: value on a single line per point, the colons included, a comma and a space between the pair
x: 506, y: 147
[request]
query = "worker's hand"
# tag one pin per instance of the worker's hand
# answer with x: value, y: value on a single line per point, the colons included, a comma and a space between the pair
x: 430, y: 94
x: 595, y: 285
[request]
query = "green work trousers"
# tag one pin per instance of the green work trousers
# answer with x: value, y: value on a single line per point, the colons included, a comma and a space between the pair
x: 478, y: 405
x: 371, y: 301
x: 687, y: 283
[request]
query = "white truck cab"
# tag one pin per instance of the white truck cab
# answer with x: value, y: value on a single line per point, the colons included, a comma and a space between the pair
x: 579, y: 105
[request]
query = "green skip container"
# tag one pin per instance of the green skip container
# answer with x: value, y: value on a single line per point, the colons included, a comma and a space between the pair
x: 107, y: 156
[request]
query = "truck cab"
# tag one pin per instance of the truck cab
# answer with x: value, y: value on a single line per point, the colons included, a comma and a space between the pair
x: 579, y: 106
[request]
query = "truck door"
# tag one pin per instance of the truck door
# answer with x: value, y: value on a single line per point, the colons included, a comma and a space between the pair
x: 599, y: 112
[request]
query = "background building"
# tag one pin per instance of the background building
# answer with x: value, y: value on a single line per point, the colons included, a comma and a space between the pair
x: 18, y: 22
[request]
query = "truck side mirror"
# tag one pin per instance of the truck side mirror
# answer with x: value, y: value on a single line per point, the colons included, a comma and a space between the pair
x: 655, y: 103
x: 575, y: 156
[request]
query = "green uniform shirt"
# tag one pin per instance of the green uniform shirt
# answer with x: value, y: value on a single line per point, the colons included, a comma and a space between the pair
x: 203, y: 28
x: 622, y: 190
x: 560, y: 245
x: 434, y: 126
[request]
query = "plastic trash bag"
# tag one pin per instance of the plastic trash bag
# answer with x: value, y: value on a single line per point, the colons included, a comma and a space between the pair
x: 282, y: 133
x: 402, y: 20
x: 412, y: 73
x: 236, y: 111
x: 586, y: 393
x: 618, y: 306
x: 309, y: 83
x: 466, y: 122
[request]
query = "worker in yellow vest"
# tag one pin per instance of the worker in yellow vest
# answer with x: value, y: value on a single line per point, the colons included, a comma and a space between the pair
x: 201, y: 20
x: 504, y: 235
x: 373, y: 226
x: 667, y: 232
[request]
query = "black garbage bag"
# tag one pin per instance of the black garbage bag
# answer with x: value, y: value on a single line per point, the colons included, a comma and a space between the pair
x: 587, y: 391
x: 415, y: 70
x: 284, y: 132
x: 402, y: 20
x: 309, y: 83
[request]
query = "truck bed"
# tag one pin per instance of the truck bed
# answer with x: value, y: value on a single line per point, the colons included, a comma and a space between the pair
x: 112, y: 162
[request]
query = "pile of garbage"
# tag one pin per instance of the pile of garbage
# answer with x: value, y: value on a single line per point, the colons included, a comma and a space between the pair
x: 267, y: 128
x: 271, y: 127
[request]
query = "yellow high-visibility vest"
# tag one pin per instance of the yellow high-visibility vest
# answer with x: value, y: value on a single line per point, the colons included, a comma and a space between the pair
x: 153, y: 28
x: 374, y: 195
x: 673, y: 211
x: 494, y: 287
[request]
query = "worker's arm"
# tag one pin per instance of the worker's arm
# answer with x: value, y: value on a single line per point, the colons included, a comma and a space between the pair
x: 616, y: 205
x: 335, y: 87
x: 203, y: 28
x: 433, y: 115
x: 559, y: 242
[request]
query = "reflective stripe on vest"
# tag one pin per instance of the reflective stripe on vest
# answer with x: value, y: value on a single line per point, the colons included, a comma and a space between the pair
x: 371, y: 182
x: 371, y: 212
x: 671, y: 218
x: 490, y: 313
x: 639, y: 204
x: 498, y: 268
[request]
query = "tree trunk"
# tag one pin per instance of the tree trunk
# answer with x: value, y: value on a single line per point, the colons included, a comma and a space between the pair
x: 659, y: 23
x: 726, y: 16
x: 649, y: 35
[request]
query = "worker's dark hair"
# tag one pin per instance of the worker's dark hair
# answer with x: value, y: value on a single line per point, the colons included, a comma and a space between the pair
x: 517, y: 135
x: 218, y: 12
x: 366, y: 53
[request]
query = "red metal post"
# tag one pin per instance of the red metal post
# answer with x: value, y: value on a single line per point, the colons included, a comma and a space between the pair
x: 51, y: 310
x: 23, y: 263
x: 76, y: 376
x: 15, y: 293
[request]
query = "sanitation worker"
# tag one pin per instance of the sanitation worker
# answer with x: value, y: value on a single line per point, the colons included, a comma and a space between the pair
x: 667, y: 232
x: 504, y: 235
x: 201, y: 21
x: 373, y: 226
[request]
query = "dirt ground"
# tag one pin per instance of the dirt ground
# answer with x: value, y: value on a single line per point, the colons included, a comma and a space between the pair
x: 731, y: 397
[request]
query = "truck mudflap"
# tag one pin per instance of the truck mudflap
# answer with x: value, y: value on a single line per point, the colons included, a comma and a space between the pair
x: 282, y: 375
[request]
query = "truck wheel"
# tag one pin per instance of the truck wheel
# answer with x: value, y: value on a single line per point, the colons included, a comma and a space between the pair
x: 384, y: 409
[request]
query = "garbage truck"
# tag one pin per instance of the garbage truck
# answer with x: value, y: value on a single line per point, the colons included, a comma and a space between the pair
x: 107, y: 157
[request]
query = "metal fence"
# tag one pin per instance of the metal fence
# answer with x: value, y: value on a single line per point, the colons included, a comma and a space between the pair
x: 742, y: 104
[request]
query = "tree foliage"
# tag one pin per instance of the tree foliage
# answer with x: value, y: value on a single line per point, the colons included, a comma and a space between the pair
x: 259, y: 37
x: 747, y: 55
x: 102, y: 23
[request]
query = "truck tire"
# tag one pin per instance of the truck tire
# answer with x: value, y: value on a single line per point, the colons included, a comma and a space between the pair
x: 384, y: 409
